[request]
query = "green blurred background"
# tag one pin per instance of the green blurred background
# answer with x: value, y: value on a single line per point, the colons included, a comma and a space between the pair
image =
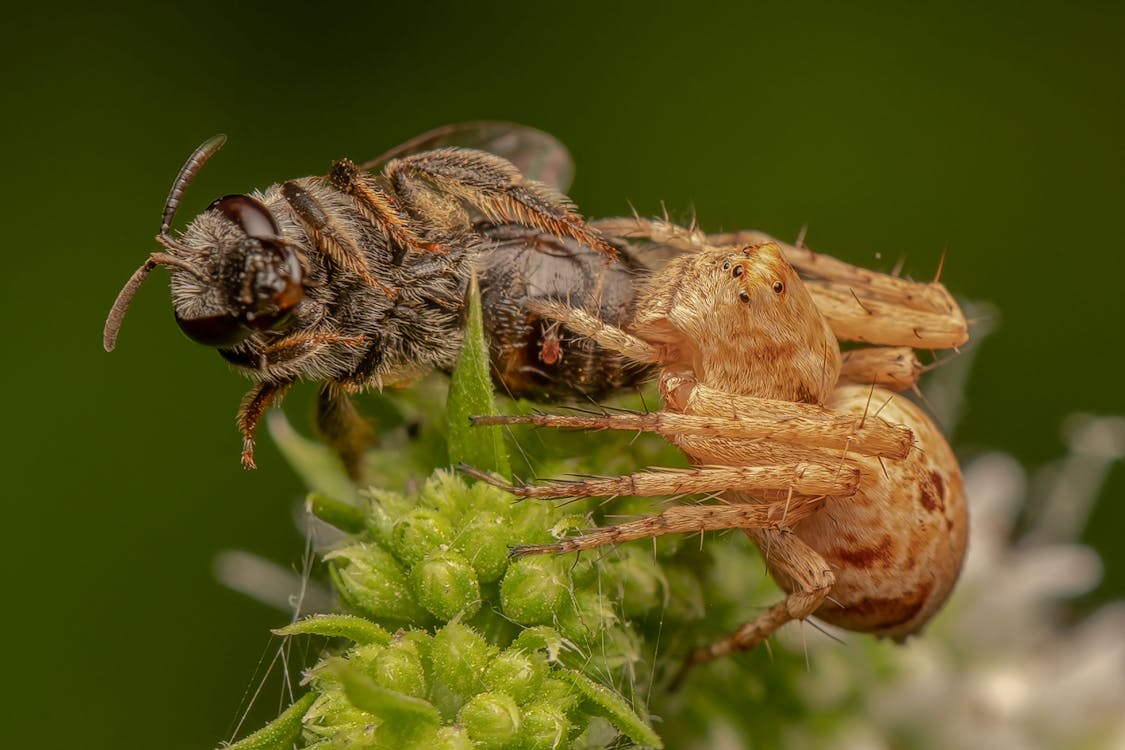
x: 995, y: 135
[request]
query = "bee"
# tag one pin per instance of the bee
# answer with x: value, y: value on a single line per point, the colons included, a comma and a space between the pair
x: 358, y: 279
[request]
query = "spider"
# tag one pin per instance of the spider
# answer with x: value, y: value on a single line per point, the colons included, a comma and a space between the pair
x: 849, y: 490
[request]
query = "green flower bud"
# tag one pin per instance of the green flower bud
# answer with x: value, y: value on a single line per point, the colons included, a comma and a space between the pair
x: 370, y: 581
x: 448, y: 494
x: 517, y: 673
x: 446, y: 585
x: 559, y: 693
x: 641, y: 584
x: 531, y: 522
x: 544, y: 727
x: 491, y: 719
x: 383, y: 508
x: 585, y: 615
x: 399, y: 667
x: 483, y: 497
x: 484, y: 542
x: 419, y: 533
x: 459, y: 658
x: 361, y: 658
x: 452, y: 738
x: 532, y: 589
x: 541, y: 638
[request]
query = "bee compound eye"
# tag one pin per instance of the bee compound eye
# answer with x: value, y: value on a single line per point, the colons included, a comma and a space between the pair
x: 214, y: 330
x: 250, y: 214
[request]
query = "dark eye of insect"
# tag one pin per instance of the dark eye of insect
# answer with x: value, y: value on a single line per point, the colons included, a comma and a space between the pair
x: 214, y: 330
x: 738, y: 271
x: 778, y: 287
x: 248, y: 213
x: 744, y: 297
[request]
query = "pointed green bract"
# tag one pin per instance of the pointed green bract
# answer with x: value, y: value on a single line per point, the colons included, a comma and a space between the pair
x: 282, y: 732
x: 470, y: 394
x: 614, y: 708
x: 356, y: 629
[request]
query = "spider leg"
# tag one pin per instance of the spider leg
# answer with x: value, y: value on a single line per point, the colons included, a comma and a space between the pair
x: 895, y: 368
x: 750, y: 419
x: 804, y: 478
x: 607, y: 336
x: 806, y: 576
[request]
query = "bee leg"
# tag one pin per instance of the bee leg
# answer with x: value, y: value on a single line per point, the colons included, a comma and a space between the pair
x: 495, y: 187
x: 801, y: 571
x: 254, y: 405
x: 330, y: 236
x: 342, y: 427
x: 380, y: 207
x: 300, y: 345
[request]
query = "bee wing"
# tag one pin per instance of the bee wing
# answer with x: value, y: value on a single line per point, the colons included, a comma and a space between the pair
x: 538, y: 155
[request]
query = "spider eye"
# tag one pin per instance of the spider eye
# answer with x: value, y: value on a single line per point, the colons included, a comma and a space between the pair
x: 726, y: 265
x: 744, y: 297
x: 214, y: 330
x: 778, y: 287
x: 248, y: 213
x: 737, y: 271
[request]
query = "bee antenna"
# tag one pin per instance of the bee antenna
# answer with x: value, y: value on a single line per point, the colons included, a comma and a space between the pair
x: 188, y: 171
x: 125, y: 296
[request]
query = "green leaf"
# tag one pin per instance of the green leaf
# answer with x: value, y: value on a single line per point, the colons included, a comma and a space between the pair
x: 470, y: 394
x: 282, y: 732
x: 613, y: 707
x: 354, y: 628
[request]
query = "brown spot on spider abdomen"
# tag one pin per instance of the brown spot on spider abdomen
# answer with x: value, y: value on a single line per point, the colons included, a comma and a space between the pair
x: 931, y: 493
x: 897, y: 545
x: 865, y: 556
x: 890, y: 616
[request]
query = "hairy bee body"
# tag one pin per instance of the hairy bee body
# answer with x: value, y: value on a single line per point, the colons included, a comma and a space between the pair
x: 357, y: 334
x: 358, y: 279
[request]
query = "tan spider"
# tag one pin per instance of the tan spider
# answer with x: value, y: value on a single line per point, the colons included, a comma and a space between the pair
x: 850, y: 491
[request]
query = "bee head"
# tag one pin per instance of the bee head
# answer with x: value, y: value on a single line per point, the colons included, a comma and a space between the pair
x: 244, y: 276
x: 232, y: 272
